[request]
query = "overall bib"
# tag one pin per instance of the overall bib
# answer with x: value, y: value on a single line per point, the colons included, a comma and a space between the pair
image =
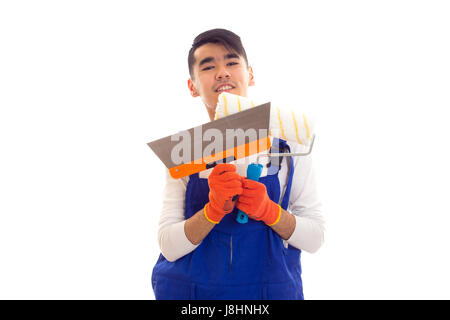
x: 234, y: 261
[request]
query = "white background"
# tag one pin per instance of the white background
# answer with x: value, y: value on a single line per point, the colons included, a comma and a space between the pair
x: 84, y: 85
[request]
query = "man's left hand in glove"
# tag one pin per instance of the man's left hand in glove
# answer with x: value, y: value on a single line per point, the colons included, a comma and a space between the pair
x: 255, y: 202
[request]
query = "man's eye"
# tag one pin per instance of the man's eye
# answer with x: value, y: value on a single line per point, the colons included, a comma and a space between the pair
x: 232, y: 63
x: 208, y: 68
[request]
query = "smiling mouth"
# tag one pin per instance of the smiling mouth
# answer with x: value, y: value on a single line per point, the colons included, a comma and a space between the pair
x: 224, y: 88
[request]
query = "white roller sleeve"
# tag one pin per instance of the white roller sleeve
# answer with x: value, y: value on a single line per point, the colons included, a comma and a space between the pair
x: 286, y: 124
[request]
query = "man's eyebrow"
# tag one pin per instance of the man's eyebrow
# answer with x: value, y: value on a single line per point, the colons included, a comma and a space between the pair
x: 211, y: 59
x: 206, y: 60
x: 231, y: 56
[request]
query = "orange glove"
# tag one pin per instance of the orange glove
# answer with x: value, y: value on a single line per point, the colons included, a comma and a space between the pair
x: 255, y: 202
x: 223, y: 183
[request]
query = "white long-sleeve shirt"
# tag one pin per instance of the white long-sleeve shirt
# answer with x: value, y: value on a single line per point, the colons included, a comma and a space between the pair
x: 304, y: 204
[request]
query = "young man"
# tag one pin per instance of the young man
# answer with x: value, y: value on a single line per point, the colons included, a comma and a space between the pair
x: 206, y: 254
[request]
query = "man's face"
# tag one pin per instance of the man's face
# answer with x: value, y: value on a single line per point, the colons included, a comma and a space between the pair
x: 216, y: 70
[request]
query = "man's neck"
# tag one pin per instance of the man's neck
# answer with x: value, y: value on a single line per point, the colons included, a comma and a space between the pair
x: 211, y: 113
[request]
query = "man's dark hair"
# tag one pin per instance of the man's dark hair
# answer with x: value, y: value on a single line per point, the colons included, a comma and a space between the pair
x: 228, y: 39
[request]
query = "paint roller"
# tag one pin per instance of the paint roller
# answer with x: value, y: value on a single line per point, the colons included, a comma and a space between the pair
x: 285, y: 124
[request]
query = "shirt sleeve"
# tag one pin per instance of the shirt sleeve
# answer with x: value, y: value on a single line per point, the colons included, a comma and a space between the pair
x: 305, y: 205
x: 172, y: 239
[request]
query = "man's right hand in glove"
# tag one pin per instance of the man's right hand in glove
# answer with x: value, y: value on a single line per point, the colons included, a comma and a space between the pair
x: 224, y: 183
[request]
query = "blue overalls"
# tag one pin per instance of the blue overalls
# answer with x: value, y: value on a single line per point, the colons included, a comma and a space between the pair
x: 234, y: 261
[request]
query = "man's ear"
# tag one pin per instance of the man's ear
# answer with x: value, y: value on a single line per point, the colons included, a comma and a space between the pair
x: 251, y: 77
x: 192, y: 88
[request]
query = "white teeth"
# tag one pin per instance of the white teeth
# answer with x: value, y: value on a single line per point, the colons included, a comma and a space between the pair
x: 224, y: 88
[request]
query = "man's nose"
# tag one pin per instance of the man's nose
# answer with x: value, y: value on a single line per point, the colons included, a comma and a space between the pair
x: 222, y: 73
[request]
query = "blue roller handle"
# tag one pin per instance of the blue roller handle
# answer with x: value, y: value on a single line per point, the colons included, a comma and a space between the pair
x: 254, y: 171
